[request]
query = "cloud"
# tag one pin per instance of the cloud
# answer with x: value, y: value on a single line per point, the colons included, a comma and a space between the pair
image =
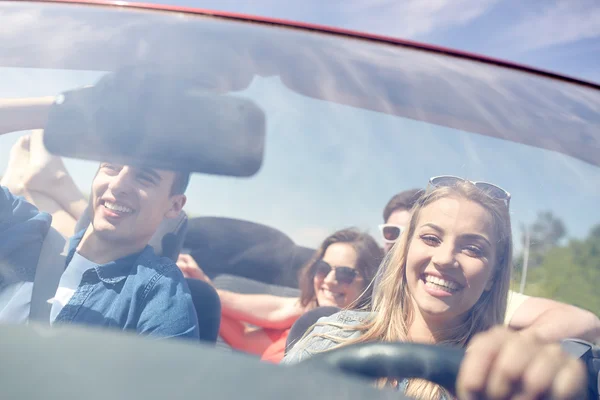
x: 565, y: 21
x: 404, y: 19
x: 414, y: 18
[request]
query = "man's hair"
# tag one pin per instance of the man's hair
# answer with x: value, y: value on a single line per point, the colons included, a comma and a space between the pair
x: 402, y: 201
x: 180, y: 183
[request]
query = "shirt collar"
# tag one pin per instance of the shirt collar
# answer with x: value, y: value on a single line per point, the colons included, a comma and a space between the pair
x: 112, y: 272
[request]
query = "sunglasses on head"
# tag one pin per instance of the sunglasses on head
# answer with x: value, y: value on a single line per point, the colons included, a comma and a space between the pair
x: 495, y: 192
x: 344, y: 275
x: 390, y: 232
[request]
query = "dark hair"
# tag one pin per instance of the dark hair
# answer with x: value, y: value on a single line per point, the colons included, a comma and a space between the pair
x: 402, y: 201
x: 369, y: 256
x: 180, y: 183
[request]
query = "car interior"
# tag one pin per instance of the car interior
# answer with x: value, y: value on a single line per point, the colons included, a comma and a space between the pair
x: 290, y: 134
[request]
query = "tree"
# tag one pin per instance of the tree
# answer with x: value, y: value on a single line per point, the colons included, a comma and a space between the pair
x: 570, y: 273
x: 545, y: 233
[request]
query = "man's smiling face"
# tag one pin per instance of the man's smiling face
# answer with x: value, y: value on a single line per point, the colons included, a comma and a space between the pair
x: 129, y: 203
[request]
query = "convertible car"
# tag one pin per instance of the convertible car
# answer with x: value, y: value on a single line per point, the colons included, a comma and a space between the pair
x: 292, y: 131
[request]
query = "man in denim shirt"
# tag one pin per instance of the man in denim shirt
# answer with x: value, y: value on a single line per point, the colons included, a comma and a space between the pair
x: 113, y: 277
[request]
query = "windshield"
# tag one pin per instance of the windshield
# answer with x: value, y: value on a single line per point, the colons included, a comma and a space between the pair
x: 348, y: 124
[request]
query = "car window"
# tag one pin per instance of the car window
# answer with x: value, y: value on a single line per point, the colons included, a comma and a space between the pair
x: 349, y: 123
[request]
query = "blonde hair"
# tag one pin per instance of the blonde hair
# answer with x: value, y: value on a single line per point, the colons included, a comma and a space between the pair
x: 392, y: 302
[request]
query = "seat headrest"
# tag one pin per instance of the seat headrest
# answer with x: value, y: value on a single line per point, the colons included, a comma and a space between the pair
x: 166, y: 241
x: 223, y: 245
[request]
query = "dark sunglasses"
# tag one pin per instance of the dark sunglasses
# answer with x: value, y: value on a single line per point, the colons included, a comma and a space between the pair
x: 345, y: 275
x: 495, y: 192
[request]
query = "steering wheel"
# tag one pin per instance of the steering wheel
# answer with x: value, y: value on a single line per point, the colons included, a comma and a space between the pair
x: 590, y: 355
x: 437, y: 364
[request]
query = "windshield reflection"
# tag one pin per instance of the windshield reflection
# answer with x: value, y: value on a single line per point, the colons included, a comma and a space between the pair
x: 349, y: 126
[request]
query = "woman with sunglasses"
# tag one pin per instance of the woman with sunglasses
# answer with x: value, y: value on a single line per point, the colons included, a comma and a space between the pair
x: 338, y: 275
x: 446, y: 282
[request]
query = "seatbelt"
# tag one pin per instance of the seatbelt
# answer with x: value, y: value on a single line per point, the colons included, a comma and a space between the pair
x: 51, y: 265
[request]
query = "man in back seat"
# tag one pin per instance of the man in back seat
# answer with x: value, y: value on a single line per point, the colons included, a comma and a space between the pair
x: 112, y: 277
x: 549, y: 319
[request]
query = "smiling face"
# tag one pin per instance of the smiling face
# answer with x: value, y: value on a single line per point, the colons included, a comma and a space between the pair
x: 329, y: 291
x: 450, y: 259
x: 129, y: 203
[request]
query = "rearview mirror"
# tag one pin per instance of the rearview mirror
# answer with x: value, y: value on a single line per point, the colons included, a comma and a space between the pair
x: 143, y: 117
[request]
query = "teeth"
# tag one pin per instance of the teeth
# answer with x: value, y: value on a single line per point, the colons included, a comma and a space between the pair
x: 441, y: 282
x: 117, y: 207
x: 331, y: 294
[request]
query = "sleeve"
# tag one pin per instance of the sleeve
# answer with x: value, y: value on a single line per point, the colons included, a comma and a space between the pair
x: 515, y: 300
x: 314, y: 343
x: 168, y: 309
x: 22, y: 231
x: 15, y: 208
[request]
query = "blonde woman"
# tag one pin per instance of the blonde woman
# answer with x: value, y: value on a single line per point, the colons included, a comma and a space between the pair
x: 445, y: 282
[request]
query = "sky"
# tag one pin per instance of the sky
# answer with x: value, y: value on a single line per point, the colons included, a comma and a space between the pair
x: 309, y: 190
x: 557, y: 35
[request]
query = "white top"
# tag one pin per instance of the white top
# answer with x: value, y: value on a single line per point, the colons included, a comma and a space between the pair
x: 515, y: 300
x: 15, y: 301
x: 69, y: 282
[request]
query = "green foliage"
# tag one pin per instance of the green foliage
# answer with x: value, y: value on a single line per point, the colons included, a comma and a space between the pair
x: 545, y: 233
x: 569, y: 273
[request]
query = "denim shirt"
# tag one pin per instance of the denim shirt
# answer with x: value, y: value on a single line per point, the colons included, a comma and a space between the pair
x: 140, y: 292
x: 313, y: 343
x: 22, y: 231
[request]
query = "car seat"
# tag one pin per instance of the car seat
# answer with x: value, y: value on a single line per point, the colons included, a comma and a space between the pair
x: 307, y: 320
x: 246, y: 257
x: 208, y: 309
x: 238, y: 248
x: 50, y: 266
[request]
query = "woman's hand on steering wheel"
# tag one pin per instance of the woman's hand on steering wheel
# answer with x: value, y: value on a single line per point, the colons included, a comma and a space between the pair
x: 503, y: 364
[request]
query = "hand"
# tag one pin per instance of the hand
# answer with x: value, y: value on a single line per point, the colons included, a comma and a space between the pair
x: 46, y: 171
x: 18, y: 163
x: 190, y: 268
x: 503, y: 364
x: 32, y: 168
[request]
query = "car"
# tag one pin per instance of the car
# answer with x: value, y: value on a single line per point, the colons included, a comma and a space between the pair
x: 292, y: 131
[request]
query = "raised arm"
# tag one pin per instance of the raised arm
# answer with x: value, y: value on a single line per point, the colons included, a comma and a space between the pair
x: 40, y: 171
x: 552, y: 321
x: 24, y: 114
x: 262, y: 310
x: 48, y: 175
x: 44, y: 181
